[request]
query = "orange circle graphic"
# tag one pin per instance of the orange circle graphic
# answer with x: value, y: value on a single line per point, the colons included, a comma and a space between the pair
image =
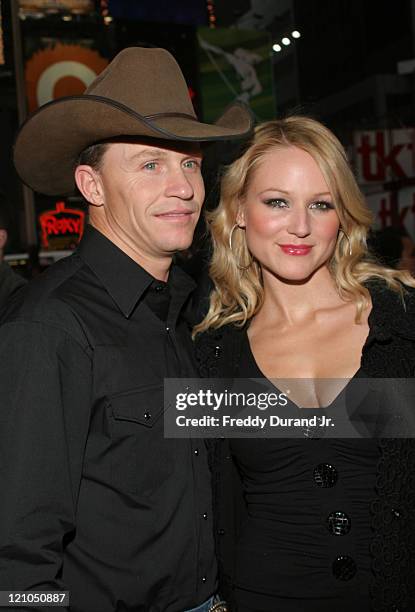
x: 65, y: 84
x: 68, y: 86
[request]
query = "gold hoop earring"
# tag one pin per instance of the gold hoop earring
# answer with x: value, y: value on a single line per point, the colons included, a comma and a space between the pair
x: 230, y: 246
x: 348, y: 240
x: 234, y: 226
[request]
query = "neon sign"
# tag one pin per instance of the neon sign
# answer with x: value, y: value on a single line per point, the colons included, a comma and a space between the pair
x: 61, y: 228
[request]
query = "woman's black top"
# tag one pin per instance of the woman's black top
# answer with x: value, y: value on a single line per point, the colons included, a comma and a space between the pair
x: 372, y: 485
x: 308, y: 504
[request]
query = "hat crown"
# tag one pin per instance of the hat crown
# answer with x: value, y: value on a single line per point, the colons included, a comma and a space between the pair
x: 142, y: 93
x: 149, y: 81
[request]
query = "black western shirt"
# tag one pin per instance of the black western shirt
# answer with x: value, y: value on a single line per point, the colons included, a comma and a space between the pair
x: 9, y: 282
x: 94, y: 499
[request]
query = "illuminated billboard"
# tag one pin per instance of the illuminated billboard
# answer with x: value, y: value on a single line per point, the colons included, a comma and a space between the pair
x: 39, y: 8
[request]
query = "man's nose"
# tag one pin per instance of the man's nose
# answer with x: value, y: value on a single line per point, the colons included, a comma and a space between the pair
x: 299, y: 222
x: 179, y: 185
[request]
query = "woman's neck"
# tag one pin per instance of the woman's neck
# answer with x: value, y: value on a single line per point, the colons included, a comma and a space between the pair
x: 292, y: 302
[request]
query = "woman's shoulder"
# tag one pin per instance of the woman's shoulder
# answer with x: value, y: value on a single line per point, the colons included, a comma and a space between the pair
x: 393, y: 310
x: 217, y: 350
x: 380, y: 289
x: 387, y: 301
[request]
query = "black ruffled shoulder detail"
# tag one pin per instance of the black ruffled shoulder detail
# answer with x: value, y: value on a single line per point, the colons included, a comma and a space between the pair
x: 393, y: 520
x: 392, y: 314
x: 217, y: 351
x: 208, y: 351
x: 389, y: 352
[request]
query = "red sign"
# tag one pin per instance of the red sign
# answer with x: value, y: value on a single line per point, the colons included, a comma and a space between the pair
x: 394, y: 208
x: 384, y: 155
x: 61, y: 228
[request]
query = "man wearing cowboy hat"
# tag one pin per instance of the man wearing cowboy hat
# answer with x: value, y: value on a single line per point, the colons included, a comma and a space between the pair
x: 94, y: 500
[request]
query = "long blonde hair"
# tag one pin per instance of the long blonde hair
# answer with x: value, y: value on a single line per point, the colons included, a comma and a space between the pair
x: 238, y: 290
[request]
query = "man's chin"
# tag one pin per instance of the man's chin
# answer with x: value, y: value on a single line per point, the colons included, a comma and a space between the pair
x: 177, y: 246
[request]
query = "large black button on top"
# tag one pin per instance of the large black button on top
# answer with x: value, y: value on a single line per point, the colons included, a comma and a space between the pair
x: 344, y: 567
x: 325, y: 475
x: 338, y: 523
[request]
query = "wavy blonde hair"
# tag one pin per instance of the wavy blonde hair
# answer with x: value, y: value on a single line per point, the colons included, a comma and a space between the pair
x: 238, y: 291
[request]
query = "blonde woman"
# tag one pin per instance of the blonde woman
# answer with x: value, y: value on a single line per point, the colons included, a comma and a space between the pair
x: 322, y: 524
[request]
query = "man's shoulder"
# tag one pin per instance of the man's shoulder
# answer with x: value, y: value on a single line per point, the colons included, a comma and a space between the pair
x: 47, y: 298
x: 9, y: 282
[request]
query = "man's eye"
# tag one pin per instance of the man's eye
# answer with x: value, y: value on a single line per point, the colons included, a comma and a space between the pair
x: 150, y: 166
x: 321, y: 205
x: 276, y: 203
x: 191, y: 164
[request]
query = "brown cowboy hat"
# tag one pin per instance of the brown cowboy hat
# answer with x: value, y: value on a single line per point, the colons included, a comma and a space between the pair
x: 142, y: 92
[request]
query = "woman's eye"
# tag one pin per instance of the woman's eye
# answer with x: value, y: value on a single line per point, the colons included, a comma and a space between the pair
x: 276, y: 203
x: 321, y: 205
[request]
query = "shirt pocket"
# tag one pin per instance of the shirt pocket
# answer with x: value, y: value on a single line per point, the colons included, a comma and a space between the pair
x: 143, y: 406
x: 140, y: 456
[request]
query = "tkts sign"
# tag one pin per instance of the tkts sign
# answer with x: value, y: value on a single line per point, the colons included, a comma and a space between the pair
x: 384, y: 155
x: 61, y: 228
x: 394, y: 208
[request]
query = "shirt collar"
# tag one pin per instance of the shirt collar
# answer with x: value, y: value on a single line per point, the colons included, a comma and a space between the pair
x: 123, y: 278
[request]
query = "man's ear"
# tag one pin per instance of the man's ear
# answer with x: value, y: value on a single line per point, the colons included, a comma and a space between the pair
x: 89, y: 184
x: 3, y: 238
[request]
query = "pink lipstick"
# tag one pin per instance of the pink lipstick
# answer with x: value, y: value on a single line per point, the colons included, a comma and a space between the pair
x: 295, y: 249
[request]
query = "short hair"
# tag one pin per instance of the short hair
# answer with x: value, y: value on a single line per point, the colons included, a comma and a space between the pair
x: 92, y: 155
x: 238, y: 292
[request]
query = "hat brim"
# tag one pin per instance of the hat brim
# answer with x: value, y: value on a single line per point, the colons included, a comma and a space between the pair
x: 50, y: 141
